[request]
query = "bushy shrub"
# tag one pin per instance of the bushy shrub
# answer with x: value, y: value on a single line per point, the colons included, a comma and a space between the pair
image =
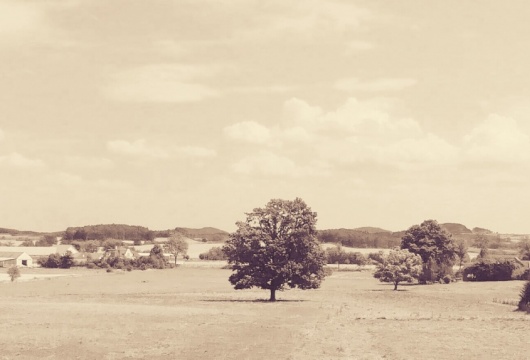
x: 377, y: 257
x: 489, y: 271
x: 524, y: 302
x: 434, y: 272
x: 337, y: 255
x: 13, y: 272
x: 215, y: 253
x: 55, y: 261
x: 521, y: 273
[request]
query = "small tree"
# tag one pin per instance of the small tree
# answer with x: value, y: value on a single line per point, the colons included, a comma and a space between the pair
x: 524, y: 302
x: 524, y: 249
x: 176, y: 245
x: 46, y: 240
x: 276, y: 247
x: 461, y: 252
x: 13, y: 272
x: 67, y: 261
x: 399, y: 266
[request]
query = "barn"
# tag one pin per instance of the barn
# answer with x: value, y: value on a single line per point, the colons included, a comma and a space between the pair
x: 8, y: 259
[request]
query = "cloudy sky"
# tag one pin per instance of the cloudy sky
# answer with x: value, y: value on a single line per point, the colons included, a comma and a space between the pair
x: 189, y: 113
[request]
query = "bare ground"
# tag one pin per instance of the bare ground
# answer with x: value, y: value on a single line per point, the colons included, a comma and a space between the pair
x: 193, y: 313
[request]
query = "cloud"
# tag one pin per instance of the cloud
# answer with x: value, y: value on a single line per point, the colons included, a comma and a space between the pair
x: 20, y: 161
x: 248, y: 131
x: 355, y: 133
x: 161, y: 83
x: 497, y: 139
x: 377, y: 85
x: 136, y: 148
x: 304, y: 19
x: 266, y: 163
x: 196, y: 152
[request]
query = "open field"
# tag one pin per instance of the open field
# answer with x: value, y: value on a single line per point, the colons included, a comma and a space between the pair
x: 193, y: 313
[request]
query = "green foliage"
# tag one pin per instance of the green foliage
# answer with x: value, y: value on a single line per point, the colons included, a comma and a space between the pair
x: 113, y: 231
x: 524, y: 302
x: 46, y: 240
x: 461, y: 252
x: 275, y: 248
x: 435, y: 246
x: 524, y: 249
x: 359, y: 238
x: 176, y: 245
x: 55, y: 261
x: 337, y: 255
x: 489, y: 271
x: 215, y: 253
x: 377, y: 257
x: 13, y: 272
x: 67, y: 261
x: 399, y: 266
x: 27, y: 242
x: 521, y: 273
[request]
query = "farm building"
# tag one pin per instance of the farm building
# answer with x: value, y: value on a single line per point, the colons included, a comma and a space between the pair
x: 121, y: 252
x: 37, y: 252
x: 8, y: 259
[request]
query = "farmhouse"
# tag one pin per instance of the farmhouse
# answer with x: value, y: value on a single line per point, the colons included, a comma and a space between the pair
x: 121, y: 252
x: 8, y: 259
x: 37, y: 252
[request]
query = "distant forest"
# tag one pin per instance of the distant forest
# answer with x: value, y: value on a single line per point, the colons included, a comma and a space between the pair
x: 361, y: 239
x: 112, y: 231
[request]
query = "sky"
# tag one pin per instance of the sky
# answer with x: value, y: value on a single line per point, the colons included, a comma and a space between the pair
x: 191, y: 113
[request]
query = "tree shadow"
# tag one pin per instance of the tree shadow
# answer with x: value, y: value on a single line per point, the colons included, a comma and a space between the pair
x: 266, y: 301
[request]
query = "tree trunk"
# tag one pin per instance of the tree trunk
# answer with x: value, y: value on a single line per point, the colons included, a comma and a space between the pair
x: 176, y: 258
x: 273, y: 295
x: 395, y: 286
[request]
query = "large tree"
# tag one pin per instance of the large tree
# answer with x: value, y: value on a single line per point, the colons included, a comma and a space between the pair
x: 276, y: 247
x: 399, y: 266
x: 435, y: 246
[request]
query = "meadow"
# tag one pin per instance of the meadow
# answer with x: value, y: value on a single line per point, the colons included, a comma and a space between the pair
x: 191, y: 312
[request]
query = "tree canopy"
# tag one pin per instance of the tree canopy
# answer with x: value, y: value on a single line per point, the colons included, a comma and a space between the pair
x: 176, y: 245
x: 276, y: 247
x: 435, y: 246
x: 399, y: 266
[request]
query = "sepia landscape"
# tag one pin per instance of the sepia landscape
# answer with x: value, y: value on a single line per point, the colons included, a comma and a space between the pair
x: 242, y: 179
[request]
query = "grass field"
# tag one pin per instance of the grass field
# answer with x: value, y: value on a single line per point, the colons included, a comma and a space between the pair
x: 193, y: 313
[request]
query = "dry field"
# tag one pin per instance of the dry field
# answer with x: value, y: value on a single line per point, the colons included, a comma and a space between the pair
x: 193, y: 313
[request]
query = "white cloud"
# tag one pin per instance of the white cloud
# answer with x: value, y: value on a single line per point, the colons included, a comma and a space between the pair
x: 248, y: 131
x: 196, y: 152
x: 497, y: 139
x: 20, y: 161
x: 377, y: 85
x: 299, y: 112
x: 161, y: 83
x: 135, y: 148
x: 357, y: 132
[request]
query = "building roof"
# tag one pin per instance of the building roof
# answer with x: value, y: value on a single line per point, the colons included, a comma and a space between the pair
x: 9, y: 255
x: 31, y: 250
